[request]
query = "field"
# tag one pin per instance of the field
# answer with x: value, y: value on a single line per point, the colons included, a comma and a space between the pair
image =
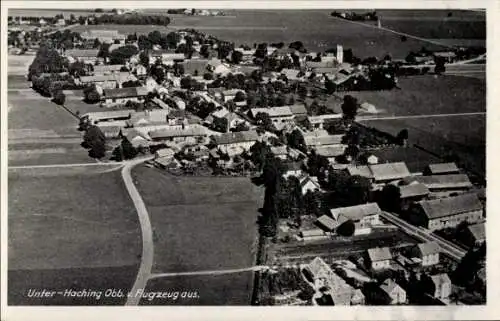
x: 40, y: 132
x: 201, y: 223
x: 416, y: 159
x: 315, y: 28
x: 51, y: 12
x: 428, y: 95
x: 60, y: 240
x: 436, y: 23
x: 463, y: 135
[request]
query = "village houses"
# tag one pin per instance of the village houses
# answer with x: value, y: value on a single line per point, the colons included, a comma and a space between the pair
x: 446, y: 212
x: 379, y: 258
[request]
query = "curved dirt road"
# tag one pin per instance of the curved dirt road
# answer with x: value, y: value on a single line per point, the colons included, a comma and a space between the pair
x: 147, y: 234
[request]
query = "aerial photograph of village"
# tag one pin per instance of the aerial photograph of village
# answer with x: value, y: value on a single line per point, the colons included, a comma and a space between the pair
x: 246, y: 157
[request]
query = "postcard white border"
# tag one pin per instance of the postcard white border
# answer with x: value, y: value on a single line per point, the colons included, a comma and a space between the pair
x: 490, y: 311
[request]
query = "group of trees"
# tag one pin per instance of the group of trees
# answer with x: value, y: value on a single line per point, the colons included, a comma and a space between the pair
x: 191, y: 84
x: 120, y: 55
x: 47, y: 60
x: 200, y: 107
x: 124, y: 151
x: 353, y: 16
x: 130, y: 19
x: 95, y: 141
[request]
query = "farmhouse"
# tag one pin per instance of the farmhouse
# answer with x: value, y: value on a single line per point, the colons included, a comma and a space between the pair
x: 317, y: 122
x: 88, y: 56
x: 448, y: 56
x: 103, y: 116
x: 330, y: 152
x: 413, y: 192
x: 179, y: 135
x: 315, y: 140
x: 395, y: 293
x: 292, y: 169
x: 441, y: 168
x: 379, y: 258
x: 280, y: 152
x: 106, y: 69
x: 446, y: 212
x: 364, y: 216
x: 438, y: 286
x: 428, y: 253
x: 122, y: 95
x: 277, y: 114
x: 381, y: 173
x: 445, y: 183
x: 107, y: 36
x: 475, y: 235
x: 319, y: 276
x: 309, y: 183
x: 236, y: 142
x: 230, y: 94
x: 326, y: 223
x: 109, y: 81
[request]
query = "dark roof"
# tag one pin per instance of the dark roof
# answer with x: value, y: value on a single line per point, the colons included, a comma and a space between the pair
x: 429, y: 248
x: 390, y: 171
x: 379, y: 254
x: 356, y: 212
x: 413, y: 190
x: 415, y: 159
x: 298, y: 109
x: 478, y: 231
x: 293, y: 166
x: 236, y: 137
x: 450, y: 206
x: 327, y: 222
x: 389, y: 285
x: 82, y: 52
x: 124, y: 92
x: 443, y: 168
x: 444, y: 181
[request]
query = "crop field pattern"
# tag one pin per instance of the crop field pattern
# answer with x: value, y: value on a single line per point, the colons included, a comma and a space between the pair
x: 200, y: 224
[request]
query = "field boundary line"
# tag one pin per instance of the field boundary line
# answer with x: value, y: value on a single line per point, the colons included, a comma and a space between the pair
x: 118, y: 164
x: 254, y: 268
x: 396, y: 32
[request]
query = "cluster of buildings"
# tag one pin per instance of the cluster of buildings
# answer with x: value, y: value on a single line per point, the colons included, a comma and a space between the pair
x: 441, y: 196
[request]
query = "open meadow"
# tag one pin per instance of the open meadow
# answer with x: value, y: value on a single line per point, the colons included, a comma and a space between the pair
x: 201, y: 223
x: 315, y: 28
x: 53, y: 235
x: 437, y: 24
x: 463, y: 136
x: 428, y: 95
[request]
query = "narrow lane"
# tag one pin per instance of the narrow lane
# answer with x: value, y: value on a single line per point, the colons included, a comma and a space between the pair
x: 146, y: 264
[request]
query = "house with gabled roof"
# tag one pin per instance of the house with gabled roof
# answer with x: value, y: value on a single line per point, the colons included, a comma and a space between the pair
x: 379, y: 258
x: 381, y: 173
x: 236, y: 142
x: 85, y: 55
x: 427, y: 253
x: 118, y: 96
x: 395, y: 293
x: 475, y: 235
x: 438, y: 285
x: 364, y: 216
x: 446, y: 212
x: 319, y: 277
x: 446, y: 182
x: 441, y: 168
x: 309, y: 183
x: 277, y: 114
